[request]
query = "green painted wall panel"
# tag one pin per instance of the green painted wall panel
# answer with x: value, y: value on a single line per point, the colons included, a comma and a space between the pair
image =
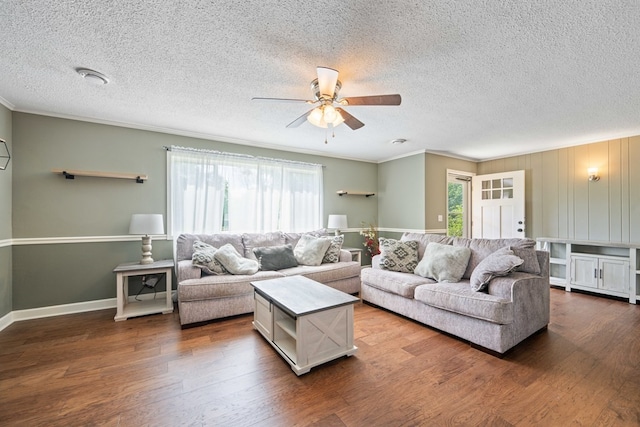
x: 401, y: 193
x: 47, y: 275
x: 6, y: 216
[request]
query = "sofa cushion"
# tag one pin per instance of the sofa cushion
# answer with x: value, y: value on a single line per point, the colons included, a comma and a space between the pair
x: 443, y: 263
x: 333, y: 252
x: 260, y: 240
x: 235, y: 263
x: 424, y: 239
x: 402, y: 284
x: 397, y: 255
x: 212, y: 287
x: 460, y: 298
x: 275, y: 257
x: 310, y: 250
x: 482, y: 248
x: 500, y: 263
x: 325, y: 273
x: 204, y: 258
x: 184, y: 243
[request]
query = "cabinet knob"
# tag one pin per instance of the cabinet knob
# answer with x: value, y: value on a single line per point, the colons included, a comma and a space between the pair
x: 520, y: 230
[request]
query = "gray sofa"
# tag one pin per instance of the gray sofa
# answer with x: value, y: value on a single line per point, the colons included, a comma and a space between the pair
x: 512, y: 308
x: 204, y: 297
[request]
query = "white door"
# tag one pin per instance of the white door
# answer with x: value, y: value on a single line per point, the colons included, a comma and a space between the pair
x: 497, y: 205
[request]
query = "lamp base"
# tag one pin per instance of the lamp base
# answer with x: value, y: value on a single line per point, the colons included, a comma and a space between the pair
x: 146, y: 250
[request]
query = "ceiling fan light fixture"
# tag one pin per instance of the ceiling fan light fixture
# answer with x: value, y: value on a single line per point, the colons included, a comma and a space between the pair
x: 325, y: 115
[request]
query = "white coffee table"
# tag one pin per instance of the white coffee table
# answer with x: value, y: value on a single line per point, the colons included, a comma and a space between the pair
x: 307, y: 322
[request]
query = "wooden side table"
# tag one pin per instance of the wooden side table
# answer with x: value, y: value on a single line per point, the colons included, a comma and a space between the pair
x: 126, y: 308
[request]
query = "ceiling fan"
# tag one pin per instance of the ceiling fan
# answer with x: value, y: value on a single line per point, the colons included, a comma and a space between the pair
x: 325, y: 89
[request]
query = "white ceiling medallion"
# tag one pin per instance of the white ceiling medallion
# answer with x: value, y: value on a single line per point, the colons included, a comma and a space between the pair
x: 93, y: 76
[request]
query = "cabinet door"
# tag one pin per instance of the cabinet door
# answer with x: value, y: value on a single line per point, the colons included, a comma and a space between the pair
x: 584, y: 271
x: 614, y: 275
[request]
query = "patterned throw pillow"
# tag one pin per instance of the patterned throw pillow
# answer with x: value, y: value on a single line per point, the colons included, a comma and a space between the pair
x: 396, y: 255
x: 203, y: 258
x: 500, y: 263
x: 333, y: 253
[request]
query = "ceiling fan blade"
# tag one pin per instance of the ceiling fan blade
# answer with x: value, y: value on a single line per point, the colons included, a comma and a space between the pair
x: 349, y: 120
x: 300, y: 120
x: 327, y: 79
x: 394, y: 99
x: 283, y: 100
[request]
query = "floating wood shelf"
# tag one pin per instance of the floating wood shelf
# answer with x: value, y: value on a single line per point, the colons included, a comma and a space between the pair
x: 354, y: 193
x: 71, y: 174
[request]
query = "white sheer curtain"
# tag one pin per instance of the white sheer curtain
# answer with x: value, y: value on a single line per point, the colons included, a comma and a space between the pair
x: 211, y: 192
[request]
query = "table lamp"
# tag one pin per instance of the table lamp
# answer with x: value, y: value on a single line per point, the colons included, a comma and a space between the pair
x: 146, y: 224
x: 337, y: 222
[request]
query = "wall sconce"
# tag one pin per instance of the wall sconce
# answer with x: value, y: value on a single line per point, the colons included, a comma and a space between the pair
x: 4, y: 155
x: 593, y: 174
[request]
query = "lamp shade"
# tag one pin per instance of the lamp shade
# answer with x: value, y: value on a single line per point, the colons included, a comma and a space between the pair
x: 337, y: 222
x: 146, y: 224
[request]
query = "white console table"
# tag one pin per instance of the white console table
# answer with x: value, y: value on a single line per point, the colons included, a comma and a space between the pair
x: 608, y: 268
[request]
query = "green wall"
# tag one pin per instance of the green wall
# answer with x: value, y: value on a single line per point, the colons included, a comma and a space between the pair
x: 401, y: 193
x: 46, y: 205
x: 6, y: 291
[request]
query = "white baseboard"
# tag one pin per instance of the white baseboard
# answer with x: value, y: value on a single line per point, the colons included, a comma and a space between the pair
x: 59, y: 310
x: 6, y: 320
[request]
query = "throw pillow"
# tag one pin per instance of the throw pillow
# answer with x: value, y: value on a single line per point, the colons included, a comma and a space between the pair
x: 275, y: 257
x: 229, y: 257
x: 527, y: 251
x: 260, y: 240
x: 333, y: 252
x: 204, y: 258
x: 500, y: 263
x: 396, y: 255
x: 443, y: 263
x: 310, y: 250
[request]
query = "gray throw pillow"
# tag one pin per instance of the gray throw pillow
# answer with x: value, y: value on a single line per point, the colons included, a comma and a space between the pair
x: 275, y: 257
x: 396, y: 255
x: 235, y: 263
x: 310, y: 250
x: 527, y: 251
x: 204, y: 258
x: 500, y: 263
x: 443, y: 263
x: 333, y: 252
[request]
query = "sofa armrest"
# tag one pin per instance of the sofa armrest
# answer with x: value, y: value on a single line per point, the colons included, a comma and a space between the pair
x: 185, y: 270
x: 345, y: 256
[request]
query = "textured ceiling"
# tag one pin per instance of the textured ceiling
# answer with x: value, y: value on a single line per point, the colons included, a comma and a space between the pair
x: 478, y: 79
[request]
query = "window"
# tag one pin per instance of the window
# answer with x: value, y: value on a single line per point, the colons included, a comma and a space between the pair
x: 211, y: 192
x: 458, y: 204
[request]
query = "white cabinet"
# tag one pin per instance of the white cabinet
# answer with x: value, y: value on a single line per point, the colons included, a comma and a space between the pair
x: 600, y: 273
x: 609, y: 268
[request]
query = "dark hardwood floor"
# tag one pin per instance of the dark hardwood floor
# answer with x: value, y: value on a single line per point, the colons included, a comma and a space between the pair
x: 86, y: 369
